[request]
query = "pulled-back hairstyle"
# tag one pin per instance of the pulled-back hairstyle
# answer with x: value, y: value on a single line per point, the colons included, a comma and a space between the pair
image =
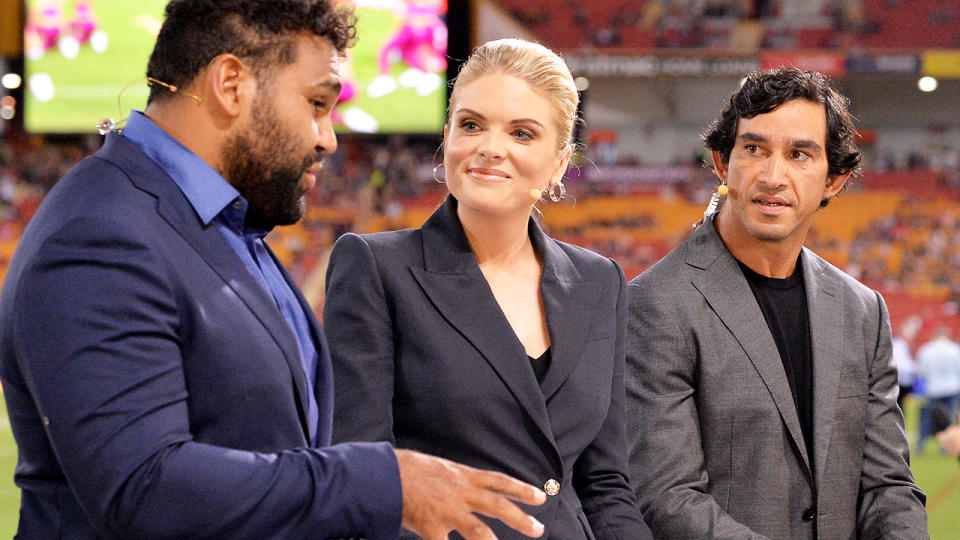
x: 260, y: 32
x: 538, y: 66
x: 763, y: 91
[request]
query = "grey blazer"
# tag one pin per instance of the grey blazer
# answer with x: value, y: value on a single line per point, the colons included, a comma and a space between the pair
x: 716, y: 446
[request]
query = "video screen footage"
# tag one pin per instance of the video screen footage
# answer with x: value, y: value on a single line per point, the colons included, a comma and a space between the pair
x: 395, y: 78
x: 82, y: 55
x: 78, y: 57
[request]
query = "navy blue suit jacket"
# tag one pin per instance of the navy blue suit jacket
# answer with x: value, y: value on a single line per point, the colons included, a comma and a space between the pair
x: 154, y: 388
x: 424, y: 357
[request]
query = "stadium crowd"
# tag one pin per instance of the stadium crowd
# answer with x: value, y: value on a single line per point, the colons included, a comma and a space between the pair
x: 383, y: 178
x: 387, y: 182
x: 737, y: 24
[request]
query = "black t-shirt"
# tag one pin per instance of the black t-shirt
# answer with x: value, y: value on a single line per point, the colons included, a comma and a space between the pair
x: 540, y: 365
x: 784, y: 306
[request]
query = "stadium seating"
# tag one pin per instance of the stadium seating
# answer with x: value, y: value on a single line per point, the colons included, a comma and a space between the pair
x: 643, y: 24
x: 898, y: 231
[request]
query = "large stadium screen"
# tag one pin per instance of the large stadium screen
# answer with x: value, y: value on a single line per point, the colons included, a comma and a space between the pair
x: 78, y: 57
x: 395, y: 80
x: 85, y: 60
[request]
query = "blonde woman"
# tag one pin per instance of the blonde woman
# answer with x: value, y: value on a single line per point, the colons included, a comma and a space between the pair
x: 477, y: 337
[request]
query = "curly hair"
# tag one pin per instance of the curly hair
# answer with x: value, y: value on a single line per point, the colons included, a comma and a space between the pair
x: 260, y: 32
x: 763, y: 91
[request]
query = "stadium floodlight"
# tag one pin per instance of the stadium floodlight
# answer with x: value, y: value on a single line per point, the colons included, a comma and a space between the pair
x: 11, y: 81
x: 927, y: 84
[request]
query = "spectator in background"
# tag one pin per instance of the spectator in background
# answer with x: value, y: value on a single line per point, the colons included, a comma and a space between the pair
x: 938, y: 364
x: 903, y: 358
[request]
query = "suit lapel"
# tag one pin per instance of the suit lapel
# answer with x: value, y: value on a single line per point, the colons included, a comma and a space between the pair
x: 174, y: 208
x: 323, y: 390
x: 826, y: 337
x: 562, y: 287
x: 726, y: 290
x: 452, y: 281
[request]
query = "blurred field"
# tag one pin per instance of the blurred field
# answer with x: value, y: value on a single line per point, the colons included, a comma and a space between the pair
x: 938, y: 475
x: 402, y: 110
x: 87, y: 86
x: 9, y: 493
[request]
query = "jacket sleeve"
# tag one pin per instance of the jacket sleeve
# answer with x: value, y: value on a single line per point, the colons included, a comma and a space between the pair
x: 891, y: 504
x: 667, y: 467
x: 600, y: 473
x: 360, y: 334
x: 98, y: 333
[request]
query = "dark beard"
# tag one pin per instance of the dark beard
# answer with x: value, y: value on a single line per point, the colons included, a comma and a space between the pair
x: 263, y: 168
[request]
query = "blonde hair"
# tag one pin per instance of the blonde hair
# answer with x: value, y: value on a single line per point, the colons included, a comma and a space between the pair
x: 538, y: 66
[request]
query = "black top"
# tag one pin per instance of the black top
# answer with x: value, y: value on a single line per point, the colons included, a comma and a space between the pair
x: 784, y: 306
x: 540, y: 364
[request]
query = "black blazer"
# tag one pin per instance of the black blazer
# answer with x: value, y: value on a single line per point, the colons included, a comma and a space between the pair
x: 424, y: 357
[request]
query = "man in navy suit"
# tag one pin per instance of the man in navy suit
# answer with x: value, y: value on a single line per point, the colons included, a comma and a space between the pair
x: 163, y: 375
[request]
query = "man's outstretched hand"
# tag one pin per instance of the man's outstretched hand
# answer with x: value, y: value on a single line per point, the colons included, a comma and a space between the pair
x: 440, y: 496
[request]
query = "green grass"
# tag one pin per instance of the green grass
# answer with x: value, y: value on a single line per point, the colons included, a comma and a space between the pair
x: 88, y: 85
x: 9, y: 493
x: 403, y: 110
x: 938, y: 475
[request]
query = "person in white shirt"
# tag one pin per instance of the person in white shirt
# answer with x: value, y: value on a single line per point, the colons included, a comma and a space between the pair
x: 902, y: 358
x: 938, y: 363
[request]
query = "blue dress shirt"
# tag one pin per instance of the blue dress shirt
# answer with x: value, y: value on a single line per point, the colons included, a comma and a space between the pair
x: 217, y: 202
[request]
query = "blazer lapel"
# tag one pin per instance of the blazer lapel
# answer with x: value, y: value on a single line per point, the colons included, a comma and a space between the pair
x: 173, y: 207
x: 826, y: 337
x: 561, y: 287
x: 725, y: 288
x: 323, y: 390
x: 452, y: 281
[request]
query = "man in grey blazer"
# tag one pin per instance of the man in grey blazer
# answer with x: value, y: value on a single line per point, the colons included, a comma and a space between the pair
x: 761, y: 401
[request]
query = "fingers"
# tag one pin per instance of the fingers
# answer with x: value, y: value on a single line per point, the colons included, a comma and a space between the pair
x: 472, y: 528
x: 515, y: 489
x: 440, y: 496
x: 497, y: 506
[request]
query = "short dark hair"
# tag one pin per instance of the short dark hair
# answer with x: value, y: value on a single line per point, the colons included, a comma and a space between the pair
x: 763, y: 91
x: 261, y: 32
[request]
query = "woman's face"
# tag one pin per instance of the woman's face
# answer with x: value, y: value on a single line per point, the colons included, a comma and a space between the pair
x: 501, y: 142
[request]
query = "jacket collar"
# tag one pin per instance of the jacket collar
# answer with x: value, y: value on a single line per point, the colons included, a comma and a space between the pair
x: 824, y: 302
x: 726, y: 289
x: 207, y: 241
x: 452, y: 279
x: 447, y: 250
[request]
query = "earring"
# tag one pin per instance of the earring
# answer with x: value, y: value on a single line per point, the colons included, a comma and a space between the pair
x: 557, y: 192
x: 435, y: 177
